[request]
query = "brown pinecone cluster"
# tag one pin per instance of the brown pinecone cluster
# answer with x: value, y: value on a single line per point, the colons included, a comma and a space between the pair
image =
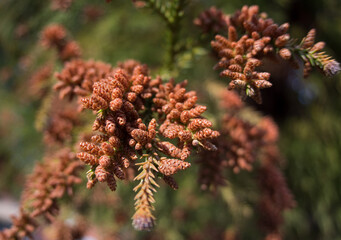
x: 238, y: 145
x: 22, y: 226
x: 54, y: 36
x: 313, y: 55
x: 246, y: 146
x: 78, y: 76
x: 240, y: 56
x: 61, y: 120
x: 138, y: 117
x: 243, y: 142
x: 212, y: 20
x: 50, y: 181
x: 275, y: 194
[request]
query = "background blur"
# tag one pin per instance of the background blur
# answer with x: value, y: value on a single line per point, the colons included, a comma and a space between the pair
x: 307, y: 111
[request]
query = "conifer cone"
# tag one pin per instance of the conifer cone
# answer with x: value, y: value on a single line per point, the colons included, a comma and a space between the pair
x: 51, y: 180
x: 78, y: 76
x: 61, y: 120
x: 240, y: 56
x: 212, y: 20
x: 55, y: 36
x: 127, y: 130
x: 22, y: 226
x: 313, y: 55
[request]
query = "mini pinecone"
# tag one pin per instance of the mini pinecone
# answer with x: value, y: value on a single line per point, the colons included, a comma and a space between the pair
x: 78, y: 76
x: 244, y: 140
x: 51, y: 180
x: 212, y: 20
x: 125, y: 102
x: 54, y: 36
x: 212, y: 165
x: 62, y: 119
x: 313, y: 55
x: 240, y: 56
x: 22, y: 226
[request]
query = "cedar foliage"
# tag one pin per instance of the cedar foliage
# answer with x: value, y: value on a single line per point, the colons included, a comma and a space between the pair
x: 147, y: 125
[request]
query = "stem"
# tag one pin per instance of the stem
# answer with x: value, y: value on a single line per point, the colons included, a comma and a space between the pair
x: 171, y: 14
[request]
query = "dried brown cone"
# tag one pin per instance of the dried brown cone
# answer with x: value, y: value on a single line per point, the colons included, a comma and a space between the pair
x: 243, y: 140
x: 242, y: 70
x: 183, y: 119
x: 275, y: 198
x: 171, y: 166
x: 313, y: 56
x: 212, y: 20
x: 124, y: 102
x: 78, y: 77
x: 212, y: 165
x: 62, y: 119
x: 122, y: 131
x: 260, y: 38
x: 70, y: 50
x: 55, y: 36
x: 50, y: 181
x: 22, y: 226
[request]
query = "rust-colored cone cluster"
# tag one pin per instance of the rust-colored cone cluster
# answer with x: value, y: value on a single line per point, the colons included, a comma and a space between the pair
x: 128, y: 130
x: 55, y: 36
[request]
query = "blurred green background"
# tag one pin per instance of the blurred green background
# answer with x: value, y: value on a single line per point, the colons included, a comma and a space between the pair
x: 307, y: 111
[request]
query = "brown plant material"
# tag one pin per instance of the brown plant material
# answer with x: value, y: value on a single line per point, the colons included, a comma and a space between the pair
x: 275, y: 194
x: 212, y: 20
x: 127, y: 130
x: 313, y: 55
x: 243, y: 141
x: 51, y: 180
x: 212, y: 165
x: 240, y: 56
x: 55, y: 36
x: 61, y: 121
x: 78, y: 76
x: 22, y: 226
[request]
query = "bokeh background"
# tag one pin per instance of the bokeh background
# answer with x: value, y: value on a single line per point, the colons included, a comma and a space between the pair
x: 307, y: 111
